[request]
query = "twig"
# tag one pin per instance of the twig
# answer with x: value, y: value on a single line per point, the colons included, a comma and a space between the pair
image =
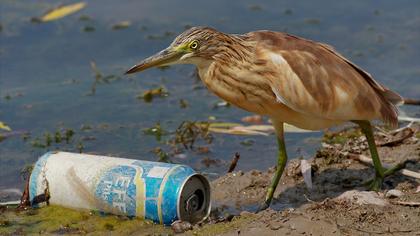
x: 402, y: 128
x: 366, y: 160
x: 399, y: 140
x: 24, y: 200
x: 410, y: 101
x: 414, y: 204
x: 410, y: 119
x: 234, y: 162
x: 10, y: 203
x: 309, y: 200
x: 410, y: 173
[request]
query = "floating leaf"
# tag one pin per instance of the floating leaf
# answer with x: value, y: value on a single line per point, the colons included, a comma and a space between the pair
x: 121, y: 25
x: 62, y: 11
x: 221, y: 104
x: 4, y: 126
x: 88, y: 28
x: 148, y: 95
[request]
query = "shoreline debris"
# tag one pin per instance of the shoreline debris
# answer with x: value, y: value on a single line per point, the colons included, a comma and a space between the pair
x: 234, y: 162
x: 306, y: 169
x: 367, y: 160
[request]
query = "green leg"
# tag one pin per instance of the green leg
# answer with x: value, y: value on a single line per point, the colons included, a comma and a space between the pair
x: 281, y: 163
x: 380, y: 172
x: 376, y: 183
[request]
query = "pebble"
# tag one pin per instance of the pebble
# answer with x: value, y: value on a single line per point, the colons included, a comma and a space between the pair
x: 363, y: 198
x: 181, y: 226
x: 394, y: 193
x: 276, y: 225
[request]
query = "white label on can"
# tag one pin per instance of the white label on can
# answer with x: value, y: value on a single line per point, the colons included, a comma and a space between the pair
x: 157, y: 172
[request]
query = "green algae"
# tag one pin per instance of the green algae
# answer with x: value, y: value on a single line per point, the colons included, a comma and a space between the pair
x: 60, y: 220
x: 342, y: 136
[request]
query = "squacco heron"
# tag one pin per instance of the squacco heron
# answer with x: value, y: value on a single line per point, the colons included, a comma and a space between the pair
x: 287, y: 78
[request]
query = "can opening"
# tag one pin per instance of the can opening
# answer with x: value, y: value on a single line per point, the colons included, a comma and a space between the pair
x: 194, y: 201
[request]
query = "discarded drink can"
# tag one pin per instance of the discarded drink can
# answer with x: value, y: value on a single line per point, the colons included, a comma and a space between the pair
x: 157, y: 191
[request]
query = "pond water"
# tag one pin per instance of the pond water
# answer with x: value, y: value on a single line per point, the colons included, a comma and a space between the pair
x: 46, y: 77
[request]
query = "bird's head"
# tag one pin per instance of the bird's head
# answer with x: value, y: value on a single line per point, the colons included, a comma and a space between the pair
x: 196, y: 46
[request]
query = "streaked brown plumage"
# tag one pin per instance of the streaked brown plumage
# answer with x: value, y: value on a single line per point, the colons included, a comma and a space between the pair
x: 290, y: 79
x: 307, y: 84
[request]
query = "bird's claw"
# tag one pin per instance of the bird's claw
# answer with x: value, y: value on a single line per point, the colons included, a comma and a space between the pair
x: 375, y: 184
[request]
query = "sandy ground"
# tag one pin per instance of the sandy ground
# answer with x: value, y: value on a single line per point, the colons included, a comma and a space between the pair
x: 337, y: 204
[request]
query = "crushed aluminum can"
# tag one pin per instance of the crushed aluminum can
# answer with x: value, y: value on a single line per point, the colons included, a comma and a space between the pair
x: 157, y: 191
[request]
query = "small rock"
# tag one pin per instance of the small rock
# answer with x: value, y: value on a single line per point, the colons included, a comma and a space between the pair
x: 363, y: 198
x: 276, y: 225
x: 181, y: 226
x: 239, y: 173
x: 394, y: 193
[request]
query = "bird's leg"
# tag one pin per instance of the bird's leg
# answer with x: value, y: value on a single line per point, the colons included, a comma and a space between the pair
x: 376, y: 183
x: 380, y: 172
x: 281, y: 163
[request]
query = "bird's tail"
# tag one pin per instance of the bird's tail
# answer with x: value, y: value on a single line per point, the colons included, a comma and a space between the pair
x: 393, y: 97
x: 389, y: 110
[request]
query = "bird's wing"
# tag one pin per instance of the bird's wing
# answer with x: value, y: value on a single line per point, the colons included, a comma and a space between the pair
x: 313, y: 79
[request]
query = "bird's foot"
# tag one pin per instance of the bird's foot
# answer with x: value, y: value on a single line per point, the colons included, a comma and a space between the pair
x: 375, y: 184
x: 395, y: 168
x: 263, y: 206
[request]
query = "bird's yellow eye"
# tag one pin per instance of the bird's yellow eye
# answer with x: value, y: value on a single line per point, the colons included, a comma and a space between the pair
x: 194, y: 45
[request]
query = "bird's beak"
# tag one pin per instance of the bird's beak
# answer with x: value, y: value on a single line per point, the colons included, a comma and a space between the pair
x: 162, y: 58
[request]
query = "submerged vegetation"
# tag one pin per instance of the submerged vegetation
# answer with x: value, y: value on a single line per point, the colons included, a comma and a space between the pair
x: 342, y: 136
x: 185, y: 136
x: 100, y: 78
x: 189, y: 132
x: 156, y: 131
x: 148, y: 95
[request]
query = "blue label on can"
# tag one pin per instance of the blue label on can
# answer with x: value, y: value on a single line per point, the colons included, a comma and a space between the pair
x: 117, y: 188
x: 159, y: 186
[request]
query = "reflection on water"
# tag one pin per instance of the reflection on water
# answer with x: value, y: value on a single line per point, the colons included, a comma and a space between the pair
x: 46, y: 75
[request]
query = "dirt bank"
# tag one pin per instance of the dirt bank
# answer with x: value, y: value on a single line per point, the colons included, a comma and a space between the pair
x: 337, y: 203
x: 297, y: 210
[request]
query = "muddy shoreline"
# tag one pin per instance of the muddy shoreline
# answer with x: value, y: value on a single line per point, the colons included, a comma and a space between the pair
x: 337, y: 204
